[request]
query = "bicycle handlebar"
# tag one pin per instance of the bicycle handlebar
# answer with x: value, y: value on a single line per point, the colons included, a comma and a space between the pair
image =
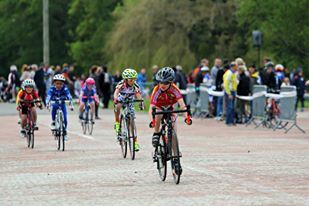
x: 169, y: 112
x: 59, y: 101
x: 29, y: 101
x: 130, y: 101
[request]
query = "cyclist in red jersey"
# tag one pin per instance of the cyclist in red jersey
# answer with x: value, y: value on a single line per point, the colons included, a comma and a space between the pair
x: 28, y: 93
x: 165, y: 95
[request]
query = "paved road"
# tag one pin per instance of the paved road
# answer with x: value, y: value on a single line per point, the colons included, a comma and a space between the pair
x: 222, y: 166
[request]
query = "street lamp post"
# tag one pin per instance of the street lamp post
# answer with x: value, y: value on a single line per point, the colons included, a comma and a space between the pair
x: 257, y: 42
x: 45, y: 32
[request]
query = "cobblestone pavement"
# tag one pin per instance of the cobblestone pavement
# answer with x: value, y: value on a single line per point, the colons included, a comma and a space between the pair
x: 221, y: 166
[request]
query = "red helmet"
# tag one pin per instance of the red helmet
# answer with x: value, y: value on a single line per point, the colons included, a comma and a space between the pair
x: 90, y: 81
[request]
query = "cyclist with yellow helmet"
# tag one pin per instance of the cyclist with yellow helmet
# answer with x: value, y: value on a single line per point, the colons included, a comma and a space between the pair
x: 127, y: 89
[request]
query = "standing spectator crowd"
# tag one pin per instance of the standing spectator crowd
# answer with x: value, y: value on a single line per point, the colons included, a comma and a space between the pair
x: 232, y: 77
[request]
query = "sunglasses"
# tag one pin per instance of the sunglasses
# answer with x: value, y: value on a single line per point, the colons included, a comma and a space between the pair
x: 165, y: 83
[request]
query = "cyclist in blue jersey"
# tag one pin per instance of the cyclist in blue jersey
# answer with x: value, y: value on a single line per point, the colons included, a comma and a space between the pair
x: 59, y: 92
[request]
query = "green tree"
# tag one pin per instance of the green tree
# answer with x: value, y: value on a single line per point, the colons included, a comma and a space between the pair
x: 90, y: 21
x: 21, y: 32
x: 170, y: 32
x: 285, y: 28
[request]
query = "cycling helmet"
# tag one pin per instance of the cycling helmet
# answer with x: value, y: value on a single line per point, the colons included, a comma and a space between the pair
x: 59, y: 77
x: 90, y: 81
x: 129, y: 74
x: 269, y: 64
x: 165, y: 75
x: 27, y: 83
x: 204, y: 69
x: 279, y: 67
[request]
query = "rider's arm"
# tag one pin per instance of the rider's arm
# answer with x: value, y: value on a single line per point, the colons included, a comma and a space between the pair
x: 183, y: 106
x: 18, y: 97
x: 49, y: 95
x: 116, y: 93
x: 150, y: 111
x: 138, y: 96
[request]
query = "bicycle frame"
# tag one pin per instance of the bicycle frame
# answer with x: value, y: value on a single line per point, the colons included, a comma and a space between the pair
x: 59, y: 124
x: 171, y: 146
x: 128, y: 132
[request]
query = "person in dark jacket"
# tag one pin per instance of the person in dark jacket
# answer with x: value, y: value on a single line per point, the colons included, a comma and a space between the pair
x: 300, y: 83
x: 106, y: 82
x: 180, y: 80
x: 95, y: 72
x: 243, y: 89
x: 219, y: 87
x: 40, y: 81
x: 200, y: 78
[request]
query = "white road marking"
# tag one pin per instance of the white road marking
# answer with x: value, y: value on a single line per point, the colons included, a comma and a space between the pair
x: 71, y: 132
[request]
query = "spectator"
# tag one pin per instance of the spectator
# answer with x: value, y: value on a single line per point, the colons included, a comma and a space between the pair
x: 39, y: 81
x: 230, y: 83
x: 58, y: 70
x: 204, y: 63
x: 95, y: 73
x: 214, y: 72
x: 300, y: 83
x: 286, y: 82
x: 243, y: 89
x: 254, y: 77
x: 78, y: 84
x: 49, y: 73
x: 215, y: 69
x: 3, y: 86
x: 155, y: 69
x: 200, y: 78
x: 106, y: 86
x: 141, y: 81
x: 219, y: 87
x: 27, y: 72
x: 180, y: 80
x: 270, y: 79
x: 13, y: 82
x: 71, y: 79
x: 207, y: 80
x: 117, y: 77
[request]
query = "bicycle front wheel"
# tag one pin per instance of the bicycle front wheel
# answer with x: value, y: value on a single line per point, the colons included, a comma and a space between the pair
x: 122, y: 136
x: 32, y: 139
x: 131, y: 137
x: 28, y: 138
x: 161, y: 157
x: 175, y: 158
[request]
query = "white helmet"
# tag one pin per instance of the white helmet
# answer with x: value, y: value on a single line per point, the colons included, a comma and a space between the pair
x: 279, y: 67
x: 13, y: 68
x: 27, y: 83
x: 59, y: 77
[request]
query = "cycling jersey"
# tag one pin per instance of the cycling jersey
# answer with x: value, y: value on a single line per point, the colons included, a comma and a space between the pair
x: 53, y: 94
x: 166, y: 98
x: 62, y: 94
x: 23, y: 95
x: 127, y: 92
x: 88, y: 95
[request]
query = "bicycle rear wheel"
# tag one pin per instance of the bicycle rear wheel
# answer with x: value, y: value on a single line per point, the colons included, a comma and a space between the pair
x: 90, y: 123
x: 32, y: 138
x: 28, y: 138
x: 85, y: 122
x: 175, y: 158
x: 122, y: 136
x: 131, y: 137
x: 161, y: 157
